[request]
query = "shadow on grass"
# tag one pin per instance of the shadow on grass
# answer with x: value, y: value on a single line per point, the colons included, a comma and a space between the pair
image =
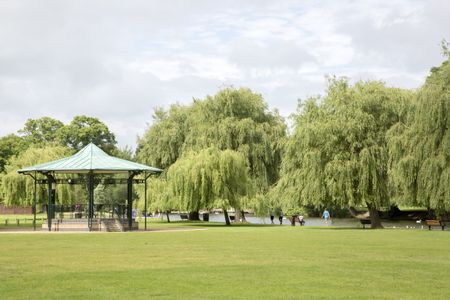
x: 207, y: 224
x: 245, y: 224
x: 337, y: 228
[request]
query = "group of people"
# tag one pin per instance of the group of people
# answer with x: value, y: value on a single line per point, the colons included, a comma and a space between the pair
x: 301, y: 220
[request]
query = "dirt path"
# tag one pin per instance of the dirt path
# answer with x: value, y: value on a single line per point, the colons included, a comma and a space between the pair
x: 40, y: 231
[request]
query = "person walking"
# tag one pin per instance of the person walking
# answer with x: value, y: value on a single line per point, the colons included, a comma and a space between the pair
x: 280, y: 218
x: 271, y: 218
x: 301, y: 220
x: 294, y: 219
x: 326, y: 215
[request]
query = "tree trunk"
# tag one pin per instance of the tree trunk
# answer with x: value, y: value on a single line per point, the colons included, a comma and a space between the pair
x: 227, y: 219
x: 374, y: 217
x: 394, y: 211
x: 430, y: 213
x: 167, y: 215
x: 239, y: 215
x: 194, y: 216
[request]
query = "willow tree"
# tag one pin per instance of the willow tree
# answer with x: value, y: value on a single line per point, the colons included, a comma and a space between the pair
x: 159, y: 196
x: 337, y: 155
x: 17, y: 189
x: 233, y: 119
x: 111, y: 195
x: 161, y: 146
x: 420, y: 147
x: 163, y: 142
x: 209, y: 178
x: 239, y: 120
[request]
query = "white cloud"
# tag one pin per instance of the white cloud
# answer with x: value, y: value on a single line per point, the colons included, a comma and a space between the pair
x: 166, y: 69
x: 117, y: 60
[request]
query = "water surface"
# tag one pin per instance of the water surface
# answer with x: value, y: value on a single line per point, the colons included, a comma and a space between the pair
x: 336, y: 222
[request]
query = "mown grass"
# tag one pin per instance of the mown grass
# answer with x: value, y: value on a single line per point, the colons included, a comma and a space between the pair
x: 237, y: 262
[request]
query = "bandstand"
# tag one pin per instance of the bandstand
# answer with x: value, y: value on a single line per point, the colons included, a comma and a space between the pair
x: 88, y: 165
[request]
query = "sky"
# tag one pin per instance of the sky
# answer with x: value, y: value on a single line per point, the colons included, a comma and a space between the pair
x: 118, y: 60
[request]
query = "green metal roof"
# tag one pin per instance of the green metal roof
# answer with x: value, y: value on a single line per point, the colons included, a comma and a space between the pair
x: 90, y: 159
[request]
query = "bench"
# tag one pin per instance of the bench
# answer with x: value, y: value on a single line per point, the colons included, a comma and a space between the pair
x: 184, y: 216
x: 435, y: 223
x: 365, y: 222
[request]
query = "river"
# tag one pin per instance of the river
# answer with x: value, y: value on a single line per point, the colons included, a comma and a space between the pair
x: 317, y: 222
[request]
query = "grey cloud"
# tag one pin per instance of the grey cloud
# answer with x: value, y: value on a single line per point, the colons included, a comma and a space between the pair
x: 407, y: 41
x: 273, y: 54
x: 65, y: 58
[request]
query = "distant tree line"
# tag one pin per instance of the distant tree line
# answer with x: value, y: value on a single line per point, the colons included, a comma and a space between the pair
x: 359, y: 145
x: 46, y: 139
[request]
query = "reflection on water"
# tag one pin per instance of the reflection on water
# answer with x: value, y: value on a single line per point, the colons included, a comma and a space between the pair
x: 344, y: 222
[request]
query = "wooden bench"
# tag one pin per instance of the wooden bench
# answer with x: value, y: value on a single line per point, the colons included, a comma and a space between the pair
x: 435, y: 223
x: 184, y: 216
x: 365, y: 222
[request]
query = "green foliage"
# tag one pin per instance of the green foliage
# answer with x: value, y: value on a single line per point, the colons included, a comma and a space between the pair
x: 43, y: 140
x: 42, y: 131
x: 83, y: 130
x: 10, y: 145
x: 100, y: 194
x: 359, y: 145
x: 17, y: 189
x: 111, y: 194
x: 337, y: 155
x: 420, y: 147
x: 209, y: 178
x: 123, y: 153
x: 47, y: 131
x: 159, y: 196
x: 163, y: 141
x: 233, y: 119
x: 445, y: 48
x: 239, y: 120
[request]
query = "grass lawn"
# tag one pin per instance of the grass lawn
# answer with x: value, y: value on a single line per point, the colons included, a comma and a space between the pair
x: 24, y: 220
x: 237, y: 262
